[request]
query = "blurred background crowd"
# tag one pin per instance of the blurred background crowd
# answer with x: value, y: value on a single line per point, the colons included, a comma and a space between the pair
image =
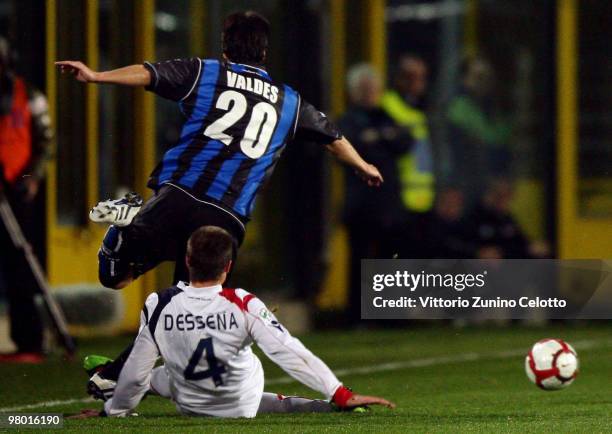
x: 489, y: 120
x: 427, y: 209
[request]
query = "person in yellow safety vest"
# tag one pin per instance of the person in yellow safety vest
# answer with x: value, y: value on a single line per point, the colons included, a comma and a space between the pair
x: 416, y: 171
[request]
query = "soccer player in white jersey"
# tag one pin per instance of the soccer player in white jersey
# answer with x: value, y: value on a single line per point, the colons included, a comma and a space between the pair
x: 204, y: 333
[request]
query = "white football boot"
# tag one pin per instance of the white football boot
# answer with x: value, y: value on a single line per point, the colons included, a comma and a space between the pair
x: 101, y: 388
x: 119, y: 212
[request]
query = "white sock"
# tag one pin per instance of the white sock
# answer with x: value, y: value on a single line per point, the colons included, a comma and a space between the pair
x: 276, y: 403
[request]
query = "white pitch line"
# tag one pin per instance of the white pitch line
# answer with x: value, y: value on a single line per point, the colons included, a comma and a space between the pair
x: 54, y: 403
x: 433, y: 361
x: 391, y: 366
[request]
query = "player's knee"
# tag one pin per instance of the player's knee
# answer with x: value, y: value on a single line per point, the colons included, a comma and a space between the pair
x: 111, y: 274
x: 113, y: 282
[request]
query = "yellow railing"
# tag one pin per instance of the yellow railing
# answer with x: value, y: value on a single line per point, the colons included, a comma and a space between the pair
x: 567, y: 123
x: 333, y: 292
x: 51, y: 91
x: 375, y: 35
x: 71, y: 258
x: 144, y: 145
x: 92, y: 104
x: 335, y: 285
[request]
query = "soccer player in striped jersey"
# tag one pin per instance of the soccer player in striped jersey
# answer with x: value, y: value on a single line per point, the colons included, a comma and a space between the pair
x: 238, y: 121
x: 204, y: 332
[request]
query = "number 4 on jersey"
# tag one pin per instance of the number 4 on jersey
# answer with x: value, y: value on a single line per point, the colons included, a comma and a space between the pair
x: 214, y: 370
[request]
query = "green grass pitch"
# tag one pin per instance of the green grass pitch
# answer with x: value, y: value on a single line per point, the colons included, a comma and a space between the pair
x: 442, y: 379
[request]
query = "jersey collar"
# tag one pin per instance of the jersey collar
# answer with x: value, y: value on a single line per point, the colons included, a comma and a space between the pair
x: 242, y: 67
x: 201, y: 290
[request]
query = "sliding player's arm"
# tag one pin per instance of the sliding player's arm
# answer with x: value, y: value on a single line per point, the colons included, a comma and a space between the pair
x: 299, y: 362
x: 135, y: 378
x: 313, y: 125
x: 171, y: 79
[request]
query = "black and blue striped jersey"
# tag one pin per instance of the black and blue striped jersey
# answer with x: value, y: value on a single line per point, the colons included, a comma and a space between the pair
x: 238, y: 121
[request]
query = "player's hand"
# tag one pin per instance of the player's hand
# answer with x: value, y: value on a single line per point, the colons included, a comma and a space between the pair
x: 344, y: 398
x: 363, y: 400
x: 370, y: 174
x: 31, y: 186
x: 81, y: 71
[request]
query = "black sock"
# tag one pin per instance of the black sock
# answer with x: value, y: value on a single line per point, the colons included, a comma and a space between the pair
x: 111, y: 370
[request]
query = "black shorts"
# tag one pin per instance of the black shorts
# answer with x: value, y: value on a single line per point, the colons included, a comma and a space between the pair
x: 160, y: 230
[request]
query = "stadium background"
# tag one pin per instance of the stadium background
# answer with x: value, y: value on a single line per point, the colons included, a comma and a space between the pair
x: 547, y: 55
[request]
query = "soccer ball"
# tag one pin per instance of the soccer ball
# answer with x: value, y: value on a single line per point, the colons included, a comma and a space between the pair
x: 552, y: 364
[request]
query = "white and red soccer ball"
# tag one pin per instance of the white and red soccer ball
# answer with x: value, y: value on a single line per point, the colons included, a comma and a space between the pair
x: 552, y: 364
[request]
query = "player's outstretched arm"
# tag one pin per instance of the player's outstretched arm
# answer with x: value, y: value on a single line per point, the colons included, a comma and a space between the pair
x: 133, y: 75
x: 345, y: 152
x: 345, y: 399
x: 295, y: 359
x: 313, y: 125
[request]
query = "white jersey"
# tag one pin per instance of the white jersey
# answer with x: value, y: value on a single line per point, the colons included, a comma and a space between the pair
x: 204, y: 336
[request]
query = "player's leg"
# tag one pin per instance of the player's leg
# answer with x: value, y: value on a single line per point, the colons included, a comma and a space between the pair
x: 131, y: 250
x: 126, y: 253
x: 103, y: 388
x: 181, y: 273
x: 277, y: 403
x: 160, y: 382
x: 26, y: 328
x: 179, y: 214
x: 111, y: 369
x: 204, y: 214
x: 114, y: 264
x: 25, y: 323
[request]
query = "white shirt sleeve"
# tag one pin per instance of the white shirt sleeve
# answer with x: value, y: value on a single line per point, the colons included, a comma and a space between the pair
x: 288, y: 352
x: 148, y: 309
x: 135, y: 377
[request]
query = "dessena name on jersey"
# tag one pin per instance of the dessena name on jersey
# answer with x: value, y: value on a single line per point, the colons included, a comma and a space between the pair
x: 214, y: 321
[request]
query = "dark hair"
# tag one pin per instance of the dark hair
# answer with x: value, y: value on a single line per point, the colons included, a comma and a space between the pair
x: 245, y: 37
x: 209, y: 250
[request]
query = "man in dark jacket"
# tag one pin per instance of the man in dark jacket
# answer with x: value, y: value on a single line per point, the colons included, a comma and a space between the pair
x: 375, y: 219
x: 25, y: 136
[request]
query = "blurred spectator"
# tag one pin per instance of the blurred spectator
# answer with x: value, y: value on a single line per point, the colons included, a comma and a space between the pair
x: 404, y: 104
x: 373, y: 216
x: 25, y: 135
x: 416, y: 173
x: 478, y: 134
x: 447, y: 231
x: 496, y: 232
